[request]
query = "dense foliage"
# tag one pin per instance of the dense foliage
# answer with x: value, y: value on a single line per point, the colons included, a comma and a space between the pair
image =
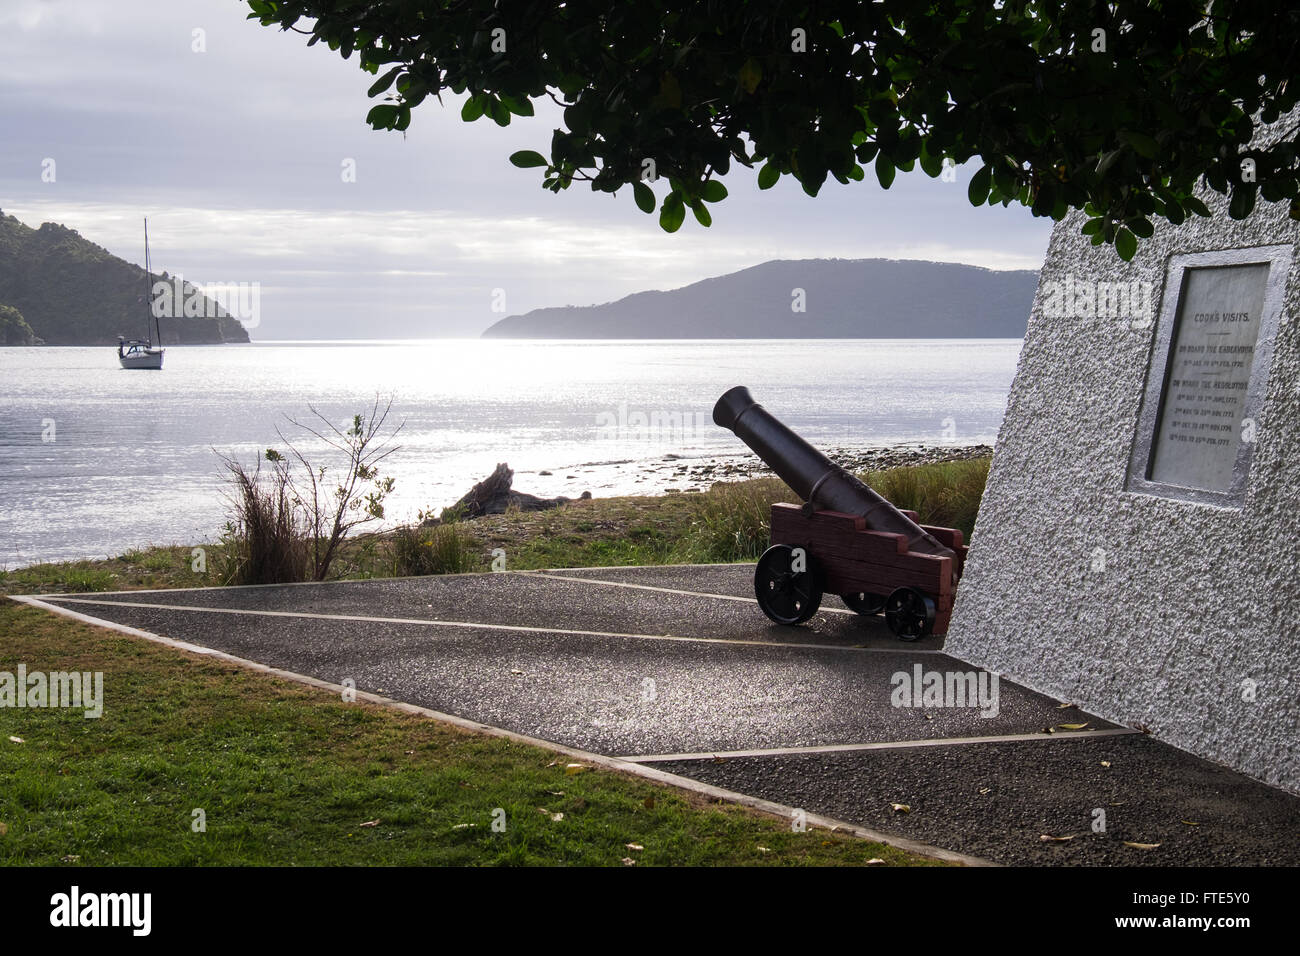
x: 1117, y: 108
x: 14, y: 329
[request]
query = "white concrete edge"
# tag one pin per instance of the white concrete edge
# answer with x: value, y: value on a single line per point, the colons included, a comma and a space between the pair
x: 881, y: 745
x: 402, y: 577
x: 617, y: 764
x: 468, y: 625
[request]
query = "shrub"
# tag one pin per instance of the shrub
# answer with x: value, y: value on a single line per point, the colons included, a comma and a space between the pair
x: 433, y: 549
x: 288, y: 525
x: 264, y: 542
x: 944, y: 493
x: 732, y: 520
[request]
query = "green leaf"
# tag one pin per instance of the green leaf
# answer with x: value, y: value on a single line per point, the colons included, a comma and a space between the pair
x: 1243, y: 201
x: 518, y: 106
x: 702, y: 215
x: 672, y: 213
x: 1142, y: 144
x: 527, y: 159
x: 384, y: 82
x: 473, y: 108
x: 382, y: 116
x: 713, y: 191
x: 644, y: 196
x: 767, y: 176
x: 978, y: 189
x: 885, y: 170
x: 1126, y: 244
x: 1196, y: 206
x: 1092, y: 227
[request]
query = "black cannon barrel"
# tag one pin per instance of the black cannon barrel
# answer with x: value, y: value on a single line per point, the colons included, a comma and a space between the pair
x: 814, y: 477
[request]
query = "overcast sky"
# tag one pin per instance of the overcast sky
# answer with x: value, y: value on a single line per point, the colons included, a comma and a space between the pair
x: 235, y: 154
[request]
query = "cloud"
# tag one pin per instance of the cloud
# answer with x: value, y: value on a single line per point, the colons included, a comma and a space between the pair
x: 236, y: 154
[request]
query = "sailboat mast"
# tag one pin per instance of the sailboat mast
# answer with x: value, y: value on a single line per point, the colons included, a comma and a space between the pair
x: 148, y: 273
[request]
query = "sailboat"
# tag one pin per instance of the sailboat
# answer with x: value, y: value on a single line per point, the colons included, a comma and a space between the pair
x: 141, y: 353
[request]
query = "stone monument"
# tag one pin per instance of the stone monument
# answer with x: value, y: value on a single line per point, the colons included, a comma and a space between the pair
x: 1137, y: 550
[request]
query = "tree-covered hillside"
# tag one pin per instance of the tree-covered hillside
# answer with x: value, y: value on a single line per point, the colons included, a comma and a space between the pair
x: 70, y: 291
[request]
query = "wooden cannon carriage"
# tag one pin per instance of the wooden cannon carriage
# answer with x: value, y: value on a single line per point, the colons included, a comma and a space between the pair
x: 845, y: 539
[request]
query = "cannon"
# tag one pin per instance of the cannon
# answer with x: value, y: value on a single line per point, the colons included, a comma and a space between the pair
x: 844, y: 539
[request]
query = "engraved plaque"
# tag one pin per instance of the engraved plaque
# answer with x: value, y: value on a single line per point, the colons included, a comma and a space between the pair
x: 1208, y: 375
x: 1213, y: 351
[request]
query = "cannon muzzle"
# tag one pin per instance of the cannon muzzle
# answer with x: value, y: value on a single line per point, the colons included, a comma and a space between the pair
x: 824, y: 485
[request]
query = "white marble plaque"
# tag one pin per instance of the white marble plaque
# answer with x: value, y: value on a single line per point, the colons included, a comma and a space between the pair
x: 1204, y: 403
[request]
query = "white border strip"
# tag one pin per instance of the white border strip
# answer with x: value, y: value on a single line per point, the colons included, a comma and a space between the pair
x: 881, y: 745
x: 609, y: 763
x: 471, y: 625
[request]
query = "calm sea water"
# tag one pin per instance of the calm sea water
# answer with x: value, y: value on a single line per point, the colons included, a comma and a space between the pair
x: 95, y: 460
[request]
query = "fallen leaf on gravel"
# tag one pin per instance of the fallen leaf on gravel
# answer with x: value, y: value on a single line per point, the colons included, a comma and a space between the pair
x: 1141, y: 846
x: 984, y: 790
x: 900, y: 808
x: 17, y: 740
x: 1190, y: 823
x: 719, y: 759
x: 369, y: 823
x: 1048, y: 838
x: 1105, y: 763
x: 70, y: 858
x: 573, y: 768
x: 1072, y: 726
x: 929, y: 716
x: 628, y: 861
x: 516, y: 671
x: 1063, y: 706
x: 634, y: 846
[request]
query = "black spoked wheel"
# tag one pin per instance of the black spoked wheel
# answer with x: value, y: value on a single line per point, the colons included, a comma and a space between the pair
x: 909, y: 614
x: 864, y: 603
x: 787, y: 595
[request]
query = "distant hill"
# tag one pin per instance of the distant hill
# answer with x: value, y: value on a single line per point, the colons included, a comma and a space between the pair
x: 845, y: 298
x: 65, y: 290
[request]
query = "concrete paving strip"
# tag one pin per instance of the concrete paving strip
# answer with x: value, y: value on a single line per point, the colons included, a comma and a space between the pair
x: 1103, y: 800
x: 551, y: 602
x: 602, y: 692
x: 780, y: 811
x: 879, y: 745
x: 472, y: 625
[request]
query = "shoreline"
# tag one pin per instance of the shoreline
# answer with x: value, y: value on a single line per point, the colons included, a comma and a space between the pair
x: 721, y: 520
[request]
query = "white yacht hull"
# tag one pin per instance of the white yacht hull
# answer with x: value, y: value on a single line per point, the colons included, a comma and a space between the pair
x: 150, y: 358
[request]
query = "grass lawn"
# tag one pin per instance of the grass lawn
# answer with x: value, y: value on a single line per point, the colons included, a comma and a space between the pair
x: 288, y: 774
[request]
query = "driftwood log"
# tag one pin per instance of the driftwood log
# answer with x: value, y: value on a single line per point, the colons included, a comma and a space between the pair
x: 493, y: 495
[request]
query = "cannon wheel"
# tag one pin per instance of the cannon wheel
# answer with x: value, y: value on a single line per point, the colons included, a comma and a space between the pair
x: 785, y: 595
x: 909, y: 614
x: 865, y: 603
